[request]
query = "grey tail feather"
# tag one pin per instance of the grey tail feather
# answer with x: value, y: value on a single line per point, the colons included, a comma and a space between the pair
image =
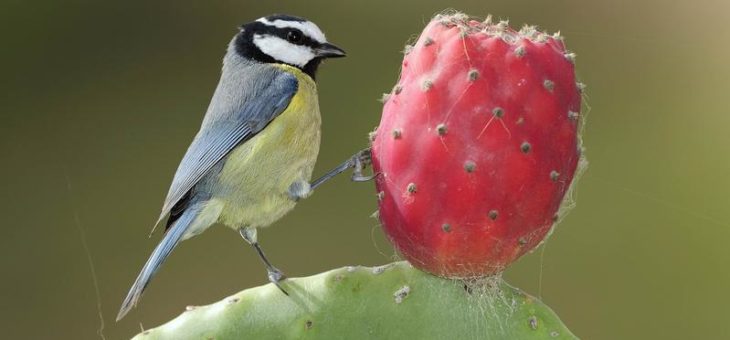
x: 161, y: 252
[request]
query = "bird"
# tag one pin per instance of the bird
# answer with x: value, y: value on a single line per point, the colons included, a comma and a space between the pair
x: 253, y: 157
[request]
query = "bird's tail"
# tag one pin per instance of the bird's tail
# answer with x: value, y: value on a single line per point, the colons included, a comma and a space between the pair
x: 173, y: 236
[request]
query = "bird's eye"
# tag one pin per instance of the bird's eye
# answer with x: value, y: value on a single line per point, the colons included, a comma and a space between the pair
x: 294, y: 36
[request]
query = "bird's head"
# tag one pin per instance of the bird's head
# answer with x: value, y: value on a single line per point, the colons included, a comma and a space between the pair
x: 285, y: 39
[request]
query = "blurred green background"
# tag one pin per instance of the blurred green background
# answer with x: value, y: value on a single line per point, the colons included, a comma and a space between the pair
x: 100, y: 100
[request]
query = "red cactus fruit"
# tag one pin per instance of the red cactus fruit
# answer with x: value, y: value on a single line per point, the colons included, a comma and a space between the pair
x: 477, y: 145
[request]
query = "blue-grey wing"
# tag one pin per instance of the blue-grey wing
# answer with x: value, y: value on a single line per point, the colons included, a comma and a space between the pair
x: 239, y: 110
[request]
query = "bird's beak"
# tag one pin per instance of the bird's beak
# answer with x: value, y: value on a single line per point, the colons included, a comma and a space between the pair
x: 328, y: 50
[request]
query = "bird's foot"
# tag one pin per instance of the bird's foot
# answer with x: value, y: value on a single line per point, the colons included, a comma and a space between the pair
x: 275, y: 277
x: 361, y: 160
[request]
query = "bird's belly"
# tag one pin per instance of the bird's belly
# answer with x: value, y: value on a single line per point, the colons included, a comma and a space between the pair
x: 254, y: 181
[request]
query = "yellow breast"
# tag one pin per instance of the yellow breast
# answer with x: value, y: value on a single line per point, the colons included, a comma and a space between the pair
x: 257, y: 174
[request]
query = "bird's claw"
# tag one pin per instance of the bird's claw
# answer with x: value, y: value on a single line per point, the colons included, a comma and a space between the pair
x: 276, y: 276
x: 360, y: 162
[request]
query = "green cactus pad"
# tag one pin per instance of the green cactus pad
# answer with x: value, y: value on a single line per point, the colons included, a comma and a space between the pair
x: 395, y: 301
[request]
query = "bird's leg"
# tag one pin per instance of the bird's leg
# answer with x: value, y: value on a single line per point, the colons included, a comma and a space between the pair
x: 359, y: 162
x: 275, y: 275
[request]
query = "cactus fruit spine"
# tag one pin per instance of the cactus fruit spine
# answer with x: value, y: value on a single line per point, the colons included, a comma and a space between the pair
x: 477, y: 146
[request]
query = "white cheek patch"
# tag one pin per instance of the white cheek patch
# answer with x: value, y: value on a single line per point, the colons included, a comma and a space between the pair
x: 307, y: 27
x: 283, y: 50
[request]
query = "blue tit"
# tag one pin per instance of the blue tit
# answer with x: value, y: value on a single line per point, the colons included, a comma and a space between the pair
x: 253, y: 157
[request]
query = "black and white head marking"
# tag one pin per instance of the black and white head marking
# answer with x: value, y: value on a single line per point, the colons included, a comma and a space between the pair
x: 285, y: 39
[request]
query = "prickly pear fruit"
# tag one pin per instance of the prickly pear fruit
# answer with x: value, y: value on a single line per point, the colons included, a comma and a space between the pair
x: 477, y: 145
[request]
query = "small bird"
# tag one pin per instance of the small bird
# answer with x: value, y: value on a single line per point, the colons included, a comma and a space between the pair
x: 253, y: 157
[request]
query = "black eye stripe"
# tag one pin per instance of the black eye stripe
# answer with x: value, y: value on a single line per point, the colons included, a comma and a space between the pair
x: 294, y: 36
x: 283, y: 33
x: 263, y: 29
x: 303, y: 40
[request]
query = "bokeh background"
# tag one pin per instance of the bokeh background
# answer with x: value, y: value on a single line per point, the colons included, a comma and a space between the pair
x: 99, y: 100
